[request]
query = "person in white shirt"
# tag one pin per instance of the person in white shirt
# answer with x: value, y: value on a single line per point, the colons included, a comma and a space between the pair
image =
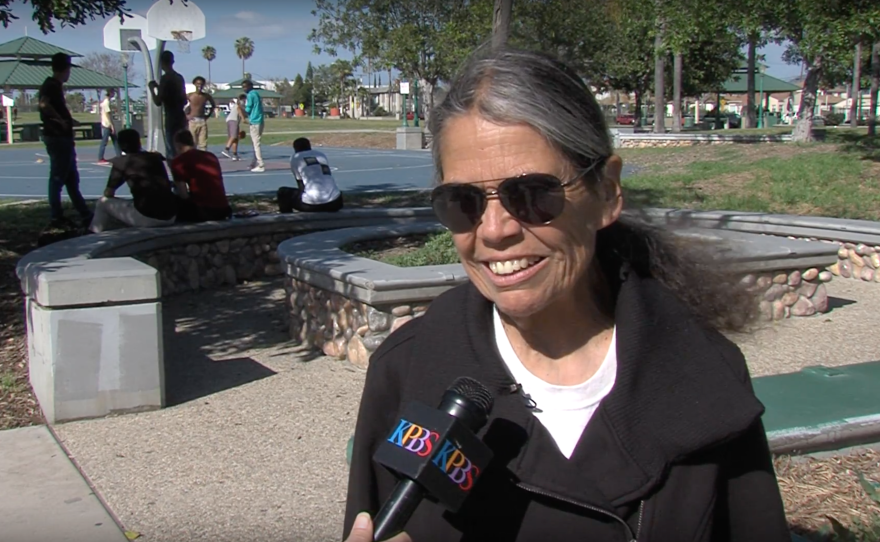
x: 233, y: 127
x: 108, y: 131
x: 317, y: 190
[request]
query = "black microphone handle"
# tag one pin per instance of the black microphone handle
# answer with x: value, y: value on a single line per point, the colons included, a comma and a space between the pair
x: 397, y: 510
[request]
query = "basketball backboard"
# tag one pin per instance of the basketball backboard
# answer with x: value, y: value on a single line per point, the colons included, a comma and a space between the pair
x: 166, y: 20
x: 116, y: 33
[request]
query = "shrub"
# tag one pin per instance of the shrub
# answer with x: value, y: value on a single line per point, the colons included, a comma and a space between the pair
x: 834, y: 119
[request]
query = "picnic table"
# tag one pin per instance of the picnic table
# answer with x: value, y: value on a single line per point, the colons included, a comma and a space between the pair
x: 33, y: 131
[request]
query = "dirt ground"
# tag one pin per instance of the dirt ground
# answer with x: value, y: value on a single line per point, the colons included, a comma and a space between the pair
x: 356, y: 140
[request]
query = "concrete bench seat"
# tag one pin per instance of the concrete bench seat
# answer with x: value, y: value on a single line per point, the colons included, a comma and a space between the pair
x: 94, y: 337
x: 94, y: 310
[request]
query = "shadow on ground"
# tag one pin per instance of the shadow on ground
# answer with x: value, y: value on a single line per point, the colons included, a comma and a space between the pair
x: 865, y: 146
x: 210, y: 338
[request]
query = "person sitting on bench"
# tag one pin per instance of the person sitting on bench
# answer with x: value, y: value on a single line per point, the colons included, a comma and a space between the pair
x: 198, y: 181
x: 317, y: 190
x: 153, y: 204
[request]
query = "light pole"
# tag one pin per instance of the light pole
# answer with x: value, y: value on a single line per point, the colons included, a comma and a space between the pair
x: 404, y: 90
x: 125, y: 82
x: 761, y: 93
x: 416, y: 103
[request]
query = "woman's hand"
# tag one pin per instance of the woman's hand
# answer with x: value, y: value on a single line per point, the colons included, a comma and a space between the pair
x: 362, y: 531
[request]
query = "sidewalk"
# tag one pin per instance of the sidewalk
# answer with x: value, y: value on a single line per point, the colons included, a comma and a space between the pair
x: 43, y: 496
x: 252, y: 445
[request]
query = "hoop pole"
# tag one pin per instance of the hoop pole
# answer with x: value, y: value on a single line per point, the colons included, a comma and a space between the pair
x: 157, y: 135
x: 153, y: 113
x: 127, y: 110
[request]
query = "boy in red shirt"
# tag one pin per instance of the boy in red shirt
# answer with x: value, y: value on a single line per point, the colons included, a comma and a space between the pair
x: 198, y: 181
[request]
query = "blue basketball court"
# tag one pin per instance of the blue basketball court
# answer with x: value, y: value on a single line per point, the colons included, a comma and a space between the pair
x: 24, y: 173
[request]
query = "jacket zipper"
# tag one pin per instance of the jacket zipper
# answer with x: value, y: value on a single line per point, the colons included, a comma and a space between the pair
x: 632, y: 537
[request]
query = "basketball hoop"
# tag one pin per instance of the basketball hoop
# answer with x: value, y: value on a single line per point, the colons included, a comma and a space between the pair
x: 183, y: 37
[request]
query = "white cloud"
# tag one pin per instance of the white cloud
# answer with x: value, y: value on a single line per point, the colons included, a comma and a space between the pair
x: 248, y: 16
x: 259, y: 27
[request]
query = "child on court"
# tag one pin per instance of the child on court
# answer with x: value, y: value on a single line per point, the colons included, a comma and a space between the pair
x: 233, y: 127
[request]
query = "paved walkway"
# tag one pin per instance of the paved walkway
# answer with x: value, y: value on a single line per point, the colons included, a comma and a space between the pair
x: 43, y: 496
x: 253, y: 444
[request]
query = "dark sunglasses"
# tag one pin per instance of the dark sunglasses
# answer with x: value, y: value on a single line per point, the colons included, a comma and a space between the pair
x: 531, y: 198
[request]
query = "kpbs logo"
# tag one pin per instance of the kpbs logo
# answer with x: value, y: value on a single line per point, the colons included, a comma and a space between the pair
x: 449, y: 459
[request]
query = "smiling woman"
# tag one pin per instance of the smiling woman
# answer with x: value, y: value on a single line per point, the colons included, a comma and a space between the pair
x: 620, y: 408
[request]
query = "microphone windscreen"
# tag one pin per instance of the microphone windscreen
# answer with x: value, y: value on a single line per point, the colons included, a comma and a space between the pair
x: 475, y: 392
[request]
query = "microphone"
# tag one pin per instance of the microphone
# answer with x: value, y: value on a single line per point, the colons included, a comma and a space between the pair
x: 435, y: 453
x: 527, y: 399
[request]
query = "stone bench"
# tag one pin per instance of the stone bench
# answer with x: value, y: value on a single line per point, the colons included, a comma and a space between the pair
x: 347, y: 305
x: 94, y: 302
x: 94, y: 337
x: 627, y: 139
x: 857, y: 241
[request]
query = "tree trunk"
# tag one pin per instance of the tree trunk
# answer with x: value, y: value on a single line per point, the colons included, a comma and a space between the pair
x: 430, y: 87
x: 856, y: 86
x: 637, y: 114
x: 659, y: 81
x: 803, y: 130
x: 242, y: 67
x: 875, y: 88
x: 751, y: 118
x: 676, y: 92
x: 209, y: 74
x: 501, y: 23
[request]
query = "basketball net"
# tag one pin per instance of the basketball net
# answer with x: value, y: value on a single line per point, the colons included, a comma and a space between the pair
x: 183, y: 38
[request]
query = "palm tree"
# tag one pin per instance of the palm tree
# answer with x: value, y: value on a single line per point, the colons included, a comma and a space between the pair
x: 342, y: 71
x: 209, y: 54
x: 244, y: 48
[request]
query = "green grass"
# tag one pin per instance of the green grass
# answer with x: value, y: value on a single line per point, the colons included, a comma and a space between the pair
x: 12, y: 383
x: 277, y: 129
x: 434, y: 249
x: 817, y: 179
x: 839, y: 177
x: 276, y: 124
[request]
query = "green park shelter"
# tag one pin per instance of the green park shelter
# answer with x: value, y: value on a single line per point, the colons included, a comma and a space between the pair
x: 765, y: 85
x: 228, y: 94
x: 26, y: 62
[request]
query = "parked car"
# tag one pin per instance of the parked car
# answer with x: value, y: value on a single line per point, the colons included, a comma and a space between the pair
x: 625, y: 119
x: 718, y: 121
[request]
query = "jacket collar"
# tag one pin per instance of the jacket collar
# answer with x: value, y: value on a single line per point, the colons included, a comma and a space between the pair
x: 681, y: 388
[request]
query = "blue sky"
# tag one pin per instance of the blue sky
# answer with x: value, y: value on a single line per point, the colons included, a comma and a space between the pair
x: 279, y: 30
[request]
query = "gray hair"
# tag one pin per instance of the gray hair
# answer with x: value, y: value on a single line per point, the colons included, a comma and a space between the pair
x: 509, y: 86
x: 514, y: 87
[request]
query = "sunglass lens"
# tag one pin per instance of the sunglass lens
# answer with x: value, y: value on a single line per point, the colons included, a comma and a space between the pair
x: 533, y: 199
x: 458, y: 206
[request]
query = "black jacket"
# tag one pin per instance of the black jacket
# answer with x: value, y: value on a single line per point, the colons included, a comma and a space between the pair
x: 148, y: 182
x: 676, y: 451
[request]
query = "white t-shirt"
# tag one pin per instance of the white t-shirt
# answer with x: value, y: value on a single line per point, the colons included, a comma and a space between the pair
x: 563, y: 410
x: 233, y: 112
x: 311, y: 167
x: 106, y: 118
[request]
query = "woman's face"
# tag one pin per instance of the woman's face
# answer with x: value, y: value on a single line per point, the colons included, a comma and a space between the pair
x: 553, y: 258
